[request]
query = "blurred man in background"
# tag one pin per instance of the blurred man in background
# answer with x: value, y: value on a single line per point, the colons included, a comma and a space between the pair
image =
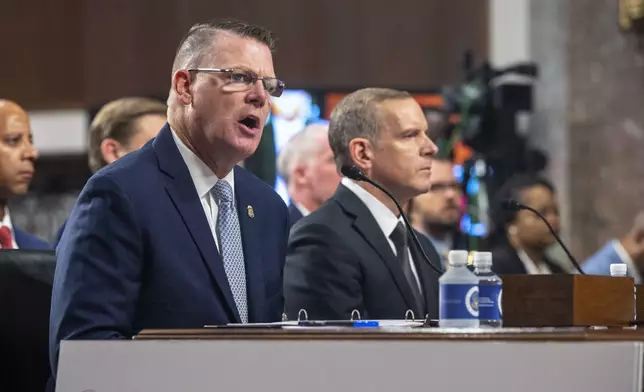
x: 306, y: 164
x: 437, y: 213
x: 123, y: 126
x: 120, y: 127
x: 17, y: 165
x: 629, y: 249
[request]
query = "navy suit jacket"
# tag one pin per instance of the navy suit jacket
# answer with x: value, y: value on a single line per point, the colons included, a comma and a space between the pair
x: 137, y: 252
x: 29, y: 241
x: 295, y: 213
x: 59, y: 234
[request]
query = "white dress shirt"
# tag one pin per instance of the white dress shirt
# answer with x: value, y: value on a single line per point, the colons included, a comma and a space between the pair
x: 301, y: 208
x: 204, y: 180
x: 386, y: 219
x: 6, y: 221
x: 531, y: 267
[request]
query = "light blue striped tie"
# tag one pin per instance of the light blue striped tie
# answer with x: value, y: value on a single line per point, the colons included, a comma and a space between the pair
x: 230, y: 243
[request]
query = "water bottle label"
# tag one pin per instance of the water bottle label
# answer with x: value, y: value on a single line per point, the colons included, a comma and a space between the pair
x: 459, y: 301
x: 490, y: 302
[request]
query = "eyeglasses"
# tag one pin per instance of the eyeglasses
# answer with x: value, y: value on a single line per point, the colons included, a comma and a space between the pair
x: 240, y: 80
x: 444, y: 186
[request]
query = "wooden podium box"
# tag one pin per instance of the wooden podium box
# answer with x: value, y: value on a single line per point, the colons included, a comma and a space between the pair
x: 357, y: 359
x: 639, y: 302
x: 564, y: 300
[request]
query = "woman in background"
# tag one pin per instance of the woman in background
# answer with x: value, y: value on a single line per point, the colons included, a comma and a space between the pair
x: 520, y: 239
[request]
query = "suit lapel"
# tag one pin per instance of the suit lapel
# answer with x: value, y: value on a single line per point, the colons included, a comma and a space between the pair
x: 367, y: 226
x: 427, y: 276
x: 20, y: 239
x: 249, y: 218
x: 182, y: 191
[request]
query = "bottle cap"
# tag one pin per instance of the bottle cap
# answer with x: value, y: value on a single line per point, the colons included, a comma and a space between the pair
x: 618, y: 269
x: 457, y: 257
x: 482, y: 259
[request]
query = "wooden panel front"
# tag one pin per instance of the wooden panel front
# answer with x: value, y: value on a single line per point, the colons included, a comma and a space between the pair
x: 76, y: 53
x: 40, y: 53
x: 563, y: 300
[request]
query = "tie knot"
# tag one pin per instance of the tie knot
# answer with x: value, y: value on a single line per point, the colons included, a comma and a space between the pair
x: 223, y: 191
x: 399, y: 235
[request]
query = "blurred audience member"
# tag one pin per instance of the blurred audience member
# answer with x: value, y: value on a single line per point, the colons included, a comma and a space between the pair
x: 629, y: 250
x: 306, y: 164
x: 123, y: 126
x: 522, y: 239
x: 120, y: 127
x: 17, y: 160
x: 437, y: 213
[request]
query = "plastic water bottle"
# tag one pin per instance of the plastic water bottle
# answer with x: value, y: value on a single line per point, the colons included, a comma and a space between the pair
x: 490, y: 291
x: 458, y: 294
x: 618, y: 269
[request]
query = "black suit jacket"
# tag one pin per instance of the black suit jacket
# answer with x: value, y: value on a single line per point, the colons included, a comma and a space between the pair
x: 294, y: 213
x: 506, y: 261
x: 338, y: 259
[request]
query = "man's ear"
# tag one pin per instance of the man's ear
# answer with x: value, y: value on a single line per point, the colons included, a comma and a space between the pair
x: 111, y: 150
x: 361, y: 152
x: 181, y: 83
x: 298, y: 175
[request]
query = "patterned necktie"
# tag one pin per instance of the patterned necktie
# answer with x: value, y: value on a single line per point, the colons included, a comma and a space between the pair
x: 5, y: 238
x: 230, y: 244
x: 399, y: 238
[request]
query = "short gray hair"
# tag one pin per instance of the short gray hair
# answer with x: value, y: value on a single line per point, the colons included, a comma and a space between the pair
x: 299, y: 148
x: 356, y: 116
x: 198, y: 41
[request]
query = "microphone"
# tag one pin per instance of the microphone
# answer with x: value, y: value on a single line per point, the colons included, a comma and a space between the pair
x: 354, y: 173
x: 513, y: 205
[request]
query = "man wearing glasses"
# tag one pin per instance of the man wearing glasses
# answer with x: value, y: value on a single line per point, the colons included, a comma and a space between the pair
x: 437, y: 213
x: 176, y: 235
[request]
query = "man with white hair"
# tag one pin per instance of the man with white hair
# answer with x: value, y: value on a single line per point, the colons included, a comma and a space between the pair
x: 307, y: 166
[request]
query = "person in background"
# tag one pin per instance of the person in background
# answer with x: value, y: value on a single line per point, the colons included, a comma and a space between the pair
x: 176, y: 235
x: 307, y: 166
x: 120, y: 127
x: 628, y: 249
x: 437, y: 213
x: 17, y: 165
x: 354, y: 252
x: 522, y: 238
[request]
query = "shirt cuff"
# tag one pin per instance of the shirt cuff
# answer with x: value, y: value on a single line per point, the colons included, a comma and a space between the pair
x: 626, y: 259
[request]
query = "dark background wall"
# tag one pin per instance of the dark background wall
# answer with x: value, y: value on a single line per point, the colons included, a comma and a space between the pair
x: 76, y: 53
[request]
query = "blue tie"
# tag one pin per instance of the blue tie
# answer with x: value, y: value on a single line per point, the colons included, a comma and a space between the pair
x: 230, y: 244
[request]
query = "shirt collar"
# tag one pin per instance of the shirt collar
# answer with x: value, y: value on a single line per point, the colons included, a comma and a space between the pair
x: 6, y: 221
x: 532, y: 268
x: 203, y: 178
x: 303, y: 210
x: 386, y: 219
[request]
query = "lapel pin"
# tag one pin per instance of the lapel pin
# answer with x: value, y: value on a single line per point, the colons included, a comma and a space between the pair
x: 251, y: 212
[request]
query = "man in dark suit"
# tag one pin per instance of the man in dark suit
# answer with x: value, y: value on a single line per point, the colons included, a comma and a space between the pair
x: 307, y: 166
x: 17, y: 164
x: 175, y: 234
x: 354, y: 253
